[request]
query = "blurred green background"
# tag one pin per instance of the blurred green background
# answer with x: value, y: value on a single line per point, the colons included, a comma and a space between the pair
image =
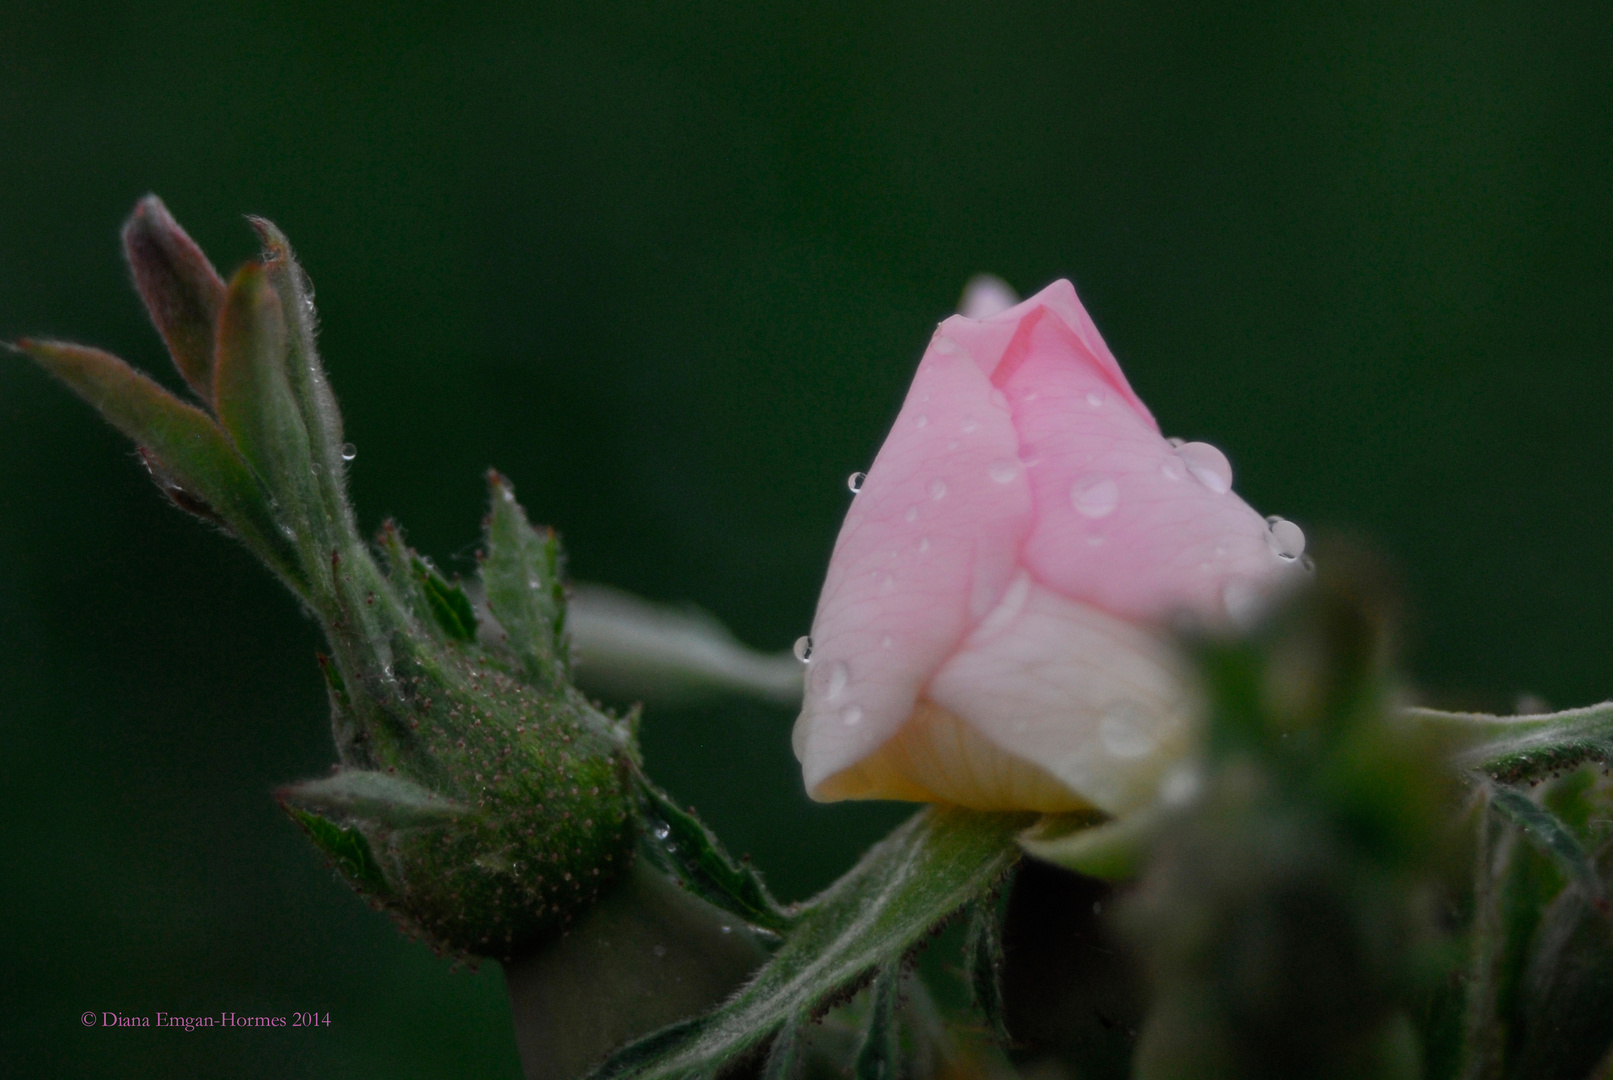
x: 669, y: 266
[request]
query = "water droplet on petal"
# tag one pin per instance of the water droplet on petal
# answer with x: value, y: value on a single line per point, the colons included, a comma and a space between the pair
x: 1208, y: 465
x: 924, y: 544
x: 1003, y: 472
x: 912, y: 514
x: 921, y: 420
x: 1128, y: 729
x: 1095, y: 398
x: 803, y: 648
x: 1286, y: 540
x: 349, y: 451
x: 855, y: 481
x: 947, y: 347
x: 970, y: 425
x: 938, y: 489
x: 1095, y: 498
x: 851, y: 715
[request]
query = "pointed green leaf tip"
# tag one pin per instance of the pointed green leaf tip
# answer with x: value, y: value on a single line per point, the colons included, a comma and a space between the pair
x: 347, y: 849
x: 181, y: 290
x: 521, y: 574
x: 190, y: 457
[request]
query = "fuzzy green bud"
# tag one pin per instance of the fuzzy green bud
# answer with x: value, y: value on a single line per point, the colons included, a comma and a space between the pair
x: 479, y: 796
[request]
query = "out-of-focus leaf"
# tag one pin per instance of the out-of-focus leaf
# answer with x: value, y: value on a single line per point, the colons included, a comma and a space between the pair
x: 784, y: 1058
x: 191, y: 450
x: 521, y: 579
x: 181, y: 290
x: 913, y: 880
x: 681, y: 846
x: 1565, y: 1003
x: 983, y: 957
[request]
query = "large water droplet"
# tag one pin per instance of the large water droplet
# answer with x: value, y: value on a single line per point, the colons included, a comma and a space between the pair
x: 938, y: 489
x: 855, y: 481
x: 662, y: 831
x: 1128, y: 729
x: 1002, y: 472
x: 851, y: 715
x: 803, y: 648
x: 1095, y: 498
x: 1208, y: 465
x: 1286, y: 540
x: 349, y: 451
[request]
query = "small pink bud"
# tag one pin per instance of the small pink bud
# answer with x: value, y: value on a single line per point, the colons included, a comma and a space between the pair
x: 992, y: 631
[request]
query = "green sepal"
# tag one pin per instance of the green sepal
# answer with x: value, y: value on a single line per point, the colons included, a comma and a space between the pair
x: 879, y: 1057
x: 983, y: 963
x: 1512, y: 749
x: 182, y: 292
x: 189, y: 455
x: 254, y: 404
x: 383, y: 798
x: 1550, y: 835
x: 446, y: 602
x: 678, y: 843
x: 347, y: 849
x: 521, y: 579
x: 885, y: 907
x: 1089, y: 844
x: 785, y: 1056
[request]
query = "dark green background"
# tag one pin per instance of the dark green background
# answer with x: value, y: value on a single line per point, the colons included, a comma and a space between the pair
x: 669, y: 266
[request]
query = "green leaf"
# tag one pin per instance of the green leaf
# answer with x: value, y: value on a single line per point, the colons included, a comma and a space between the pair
x: 321, y: 417
x: 446, y: 601
x: 384, y: 798
x: 190, y: 455
x: 1548, y: 833
x: 677, y: 842
x: 347, y: 848
x: 1515, y: 748
x: 885, y: 907
x: 254, y: 403
x: 181, y: 290
x: 784, y: 1057
x: 880, y: 1055
x: 522, y: 580
x: 983, y: 955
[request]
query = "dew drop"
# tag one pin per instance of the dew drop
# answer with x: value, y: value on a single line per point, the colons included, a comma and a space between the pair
x: 970, y: 425
x: 1286, y: 540
x: 938, y: 489
x: 1002, y: 472
x: 1095, y: 398
x: 838, y: 678
x: 947, y: 347
x: 803, y: 648
x: 851, y: 715
x: 1095, y: 498
x: 921, y: 420
x: 1208, y: 465
x: 912, y: 514
x: 855, y: 481
x: 1127, y: 729
x: 349, y: 451
x: 924, y: 544
x: 662, y: 831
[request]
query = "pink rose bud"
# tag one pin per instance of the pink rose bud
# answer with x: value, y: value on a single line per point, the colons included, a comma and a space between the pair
x: 993, y: 629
